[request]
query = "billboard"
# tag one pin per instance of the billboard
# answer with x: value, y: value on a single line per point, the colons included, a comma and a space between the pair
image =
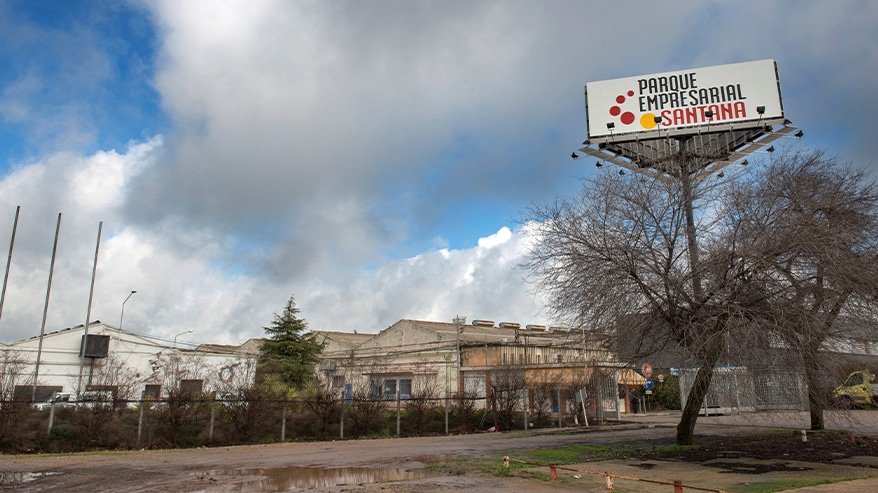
x: 740, y: 94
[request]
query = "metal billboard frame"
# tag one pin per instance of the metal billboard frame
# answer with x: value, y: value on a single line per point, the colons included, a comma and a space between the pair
x: 713, y: 147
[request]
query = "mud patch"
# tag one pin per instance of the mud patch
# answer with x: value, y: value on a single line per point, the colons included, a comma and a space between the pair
x: 743, y: 467
x: 15, y: 478
x: 309, y: 478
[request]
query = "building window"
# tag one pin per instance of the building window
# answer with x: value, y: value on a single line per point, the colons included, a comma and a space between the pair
x: 375, y: 389
x: 385, y: 388
x: 405, y: 388
x: 337, y: 381
x: 389, y: 390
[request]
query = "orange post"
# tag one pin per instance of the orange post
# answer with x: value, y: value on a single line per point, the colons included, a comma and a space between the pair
x: 608, y: 478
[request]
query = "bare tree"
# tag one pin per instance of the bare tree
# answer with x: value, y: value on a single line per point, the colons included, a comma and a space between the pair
x: 644, y: 261
x: 365, y: 405
x: 113, y: 379
x: 571, y: 392
x: 243, y: 403
x: 12, y: 372
x: 367, y: 410
x: 810, y: 226
x: 424, y: 399
x: 542, y: 389
x: 507, y: 384
x: 324, y: 402
x: 182, y: 376
x: 466, y: 410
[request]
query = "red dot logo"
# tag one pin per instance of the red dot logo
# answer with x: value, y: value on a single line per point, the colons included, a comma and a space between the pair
x: 626, y: 117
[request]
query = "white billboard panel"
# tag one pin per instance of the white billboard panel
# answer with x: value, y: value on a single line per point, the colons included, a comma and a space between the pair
x: 724, y: 94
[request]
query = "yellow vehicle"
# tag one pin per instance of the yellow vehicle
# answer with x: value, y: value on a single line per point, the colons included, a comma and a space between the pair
x: 860, y: 389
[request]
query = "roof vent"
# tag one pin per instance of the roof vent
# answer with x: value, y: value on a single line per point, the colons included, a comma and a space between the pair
x: 483, y: 323
x: 559, y: 329
x: 509, y: 325
x: 536, y: 327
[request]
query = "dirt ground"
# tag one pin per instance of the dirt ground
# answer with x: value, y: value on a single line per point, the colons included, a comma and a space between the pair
x: 730, y: 455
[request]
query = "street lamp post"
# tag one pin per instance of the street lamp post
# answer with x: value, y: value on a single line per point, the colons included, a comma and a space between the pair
x: 458, y: 328
x: 123, y: 308
x: 181, y: 333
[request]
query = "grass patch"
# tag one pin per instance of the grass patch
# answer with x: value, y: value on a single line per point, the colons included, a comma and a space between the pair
x: 451, y: 467
x: 786, y: 484
x: 574, y: 454
x: 674, y: 448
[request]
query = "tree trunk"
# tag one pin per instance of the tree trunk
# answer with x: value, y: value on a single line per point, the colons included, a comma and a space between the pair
x: 686, y: 426
x: 815, y: 395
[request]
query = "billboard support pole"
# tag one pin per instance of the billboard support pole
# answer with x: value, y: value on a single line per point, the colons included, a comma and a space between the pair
x: 33, y: 395
x: 88, y: 311
x: 691, y: 238
x: 9, y: 259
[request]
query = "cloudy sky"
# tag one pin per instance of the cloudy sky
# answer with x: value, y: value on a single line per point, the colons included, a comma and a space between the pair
x: 372, y: 158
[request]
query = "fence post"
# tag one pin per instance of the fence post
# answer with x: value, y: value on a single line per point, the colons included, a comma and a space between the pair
x: 341, y: 428
x: 560, y: 409
x: 524, y: 406
x: 446, y: 412
x: 397, y: 410
x: 283, y: 423
x: 140, y: 420
x: 212, y: 417
x: 616, y: 394
x: 584, y: 412
x: 51, y: 416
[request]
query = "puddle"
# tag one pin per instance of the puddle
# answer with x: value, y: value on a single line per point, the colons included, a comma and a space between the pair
x: 13, y: 478
x: 309, y: 478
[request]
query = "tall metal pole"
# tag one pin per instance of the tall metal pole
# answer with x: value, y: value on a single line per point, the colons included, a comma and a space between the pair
x: 9, y: 259
x: 691, y: 237
x: 458, y: 328
x: 88, y: 312
x: 33, y: 395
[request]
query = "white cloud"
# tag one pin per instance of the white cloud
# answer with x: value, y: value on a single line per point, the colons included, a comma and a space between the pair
x: 181, y: 273
x: 498, y: 238
x: 344, y: 152
x: 481, y: 282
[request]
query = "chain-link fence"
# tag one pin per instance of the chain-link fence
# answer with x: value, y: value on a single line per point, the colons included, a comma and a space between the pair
x: 740, y: 389
x: 181, y: 421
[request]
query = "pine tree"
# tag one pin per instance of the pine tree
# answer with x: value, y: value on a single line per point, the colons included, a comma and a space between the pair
x: 289, y: 353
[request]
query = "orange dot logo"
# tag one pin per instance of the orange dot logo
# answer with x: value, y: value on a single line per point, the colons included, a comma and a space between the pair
x: 647, y: 121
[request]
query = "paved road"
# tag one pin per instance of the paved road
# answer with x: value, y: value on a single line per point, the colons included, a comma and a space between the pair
x: 861, y: 422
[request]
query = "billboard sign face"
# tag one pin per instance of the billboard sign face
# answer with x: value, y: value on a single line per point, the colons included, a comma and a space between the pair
x: 625, y: 109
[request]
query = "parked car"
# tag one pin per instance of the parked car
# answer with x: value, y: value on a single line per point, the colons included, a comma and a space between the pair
x: 62, y: 399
